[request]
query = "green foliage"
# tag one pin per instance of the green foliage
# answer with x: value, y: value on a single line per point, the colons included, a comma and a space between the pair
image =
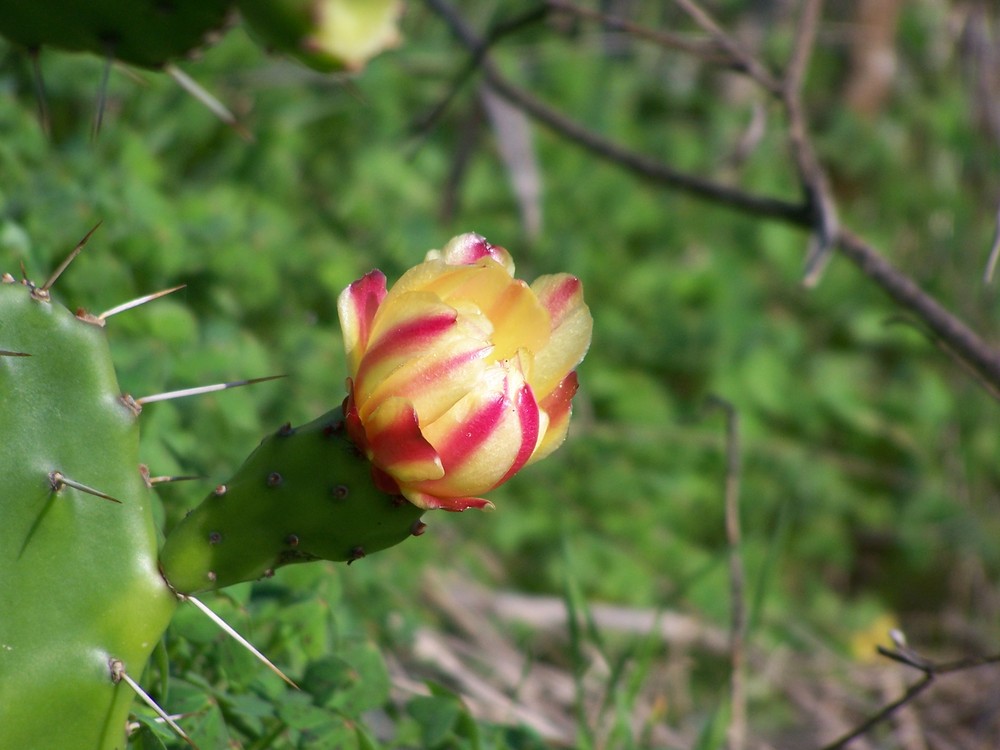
x: 869, y: 457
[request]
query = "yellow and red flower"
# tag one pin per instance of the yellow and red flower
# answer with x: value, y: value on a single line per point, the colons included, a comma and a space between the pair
x: 460, y: 375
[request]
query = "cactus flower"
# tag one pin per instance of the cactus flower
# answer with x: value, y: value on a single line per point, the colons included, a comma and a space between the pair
x: 460, y: 374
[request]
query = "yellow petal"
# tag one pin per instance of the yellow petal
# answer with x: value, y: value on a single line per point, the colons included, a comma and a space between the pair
x: 519, y: 321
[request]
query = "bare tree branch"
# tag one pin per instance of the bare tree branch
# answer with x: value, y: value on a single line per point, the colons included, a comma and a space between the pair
x: 710, y: 51
x: 966, y: 343
x: 643, y: 166
x: 745, y: 61
x: 961, y: 339
x: 931, y: 670
x: 814, y: 182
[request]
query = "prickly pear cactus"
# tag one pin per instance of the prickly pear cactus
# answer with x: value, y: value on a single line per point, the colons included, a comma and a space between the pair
x: 148, y: 33
x: 81, y: 594
x: 304, y: 494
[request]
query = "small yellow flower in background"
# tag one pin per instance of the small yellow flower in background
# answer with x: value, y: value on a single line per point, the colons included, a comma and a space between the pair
x: 865, y: 641
x: 460, y: 374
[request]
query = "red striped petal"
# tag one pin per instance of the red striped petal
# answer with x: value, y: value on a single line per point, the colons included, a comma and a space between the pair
x: 355, y: 429
x: 384, y: 482
x: 453, y: 504
x: 486, y: 436
x: 466, y: 249
x: 396, y: 445
x: 527, y: 411
x: 357, y: 306
x: 559, y: 294
x: 557, y: 406
x: 572, y: 328
x: 415, y: 326
x: 434, y: 383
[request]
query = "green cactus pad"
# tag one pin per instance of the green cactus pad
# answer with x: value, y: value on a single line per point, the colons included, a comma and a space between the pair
x: 304, y: 494
x: 148, y: 33
x: 79, y: 583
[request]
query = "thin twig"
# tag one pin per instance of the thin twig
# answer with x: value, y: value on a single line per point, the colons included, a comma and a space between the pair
x: 961, y: 339
x: 744, y: 61
x: 884, y: 713
x: 710, y: 52
x: 502, y: 30
x: 644, y: 166
x: 991, y: 264
x: 911, y: 659
x: 931, y: 670
x: 737, y: 732
x: 818, y: 195
x: 805, y: 40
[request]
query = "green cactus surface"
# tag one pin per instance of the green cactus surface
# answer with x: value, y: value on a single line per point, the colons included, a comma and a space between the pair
x: 147, y: 33
x: 79, y: 583
x: 304, y: 494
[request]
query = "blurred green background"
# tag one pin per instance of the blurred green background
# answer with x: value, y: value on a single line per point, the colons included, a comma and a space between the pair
x: 870, y: 477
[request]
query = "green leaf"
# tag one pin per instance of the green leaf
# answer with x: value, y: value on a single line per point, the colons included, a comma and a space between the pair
x: 436, y: 717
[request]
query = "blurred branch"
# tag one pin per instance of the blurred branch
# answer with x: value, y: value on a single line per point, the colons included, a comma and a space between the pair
x: 904, y: 655
x: 745, y: 62
x: 737, y: 733
x: 815, y: 213
x: 495, y: 34
x: 965, y: 343
x: 814, y: 182
x: 643, y: 166
x: 710, y: 52
x: 991, y: 264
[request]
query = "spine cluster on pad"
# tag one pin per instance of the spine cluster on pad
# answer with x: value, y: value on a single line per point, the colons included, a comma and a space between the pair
x: 304, y: 494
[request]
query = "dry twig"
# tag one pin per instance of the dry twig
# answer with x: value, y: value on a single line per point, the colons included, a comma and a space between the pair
x: 814, y: 214
x: 737, y: 733
x: 930, y: 670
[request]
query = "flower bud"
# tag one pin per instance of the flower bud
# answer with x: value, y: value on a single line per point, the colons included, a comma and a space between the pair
x: 460, y: 374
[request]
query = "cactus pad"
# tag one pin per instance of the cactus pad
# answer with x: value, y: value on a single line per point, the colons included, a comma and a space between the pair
x: 147, y: 33
x: 79, y: 584
x: 304, y: 494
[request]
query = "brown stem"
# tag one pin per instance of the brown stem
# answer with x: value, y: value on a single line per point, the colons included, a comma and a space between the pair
x: 962, y: 340
x: 959, y: 338
x: 737, y: 730
x: 931, y: 670
x: 699, y: 48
